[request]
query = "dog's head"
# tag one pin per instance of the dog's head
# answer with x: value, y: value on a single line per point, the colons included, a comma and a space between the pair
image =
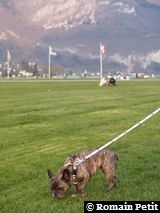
x: 59, y: 182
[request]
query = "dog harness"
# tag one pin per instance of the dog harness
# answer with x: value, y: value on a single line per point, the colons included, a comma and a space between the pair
x: 74, y: 172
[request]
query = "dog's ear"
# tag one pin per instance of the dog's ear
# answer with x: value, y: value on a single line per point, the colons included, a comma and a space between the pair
x: 50, y: 173
x: 66, y: 175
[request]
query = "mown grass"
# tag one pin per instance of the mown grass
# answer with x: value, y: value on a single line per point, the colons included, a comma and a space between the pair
x: 43, y: 123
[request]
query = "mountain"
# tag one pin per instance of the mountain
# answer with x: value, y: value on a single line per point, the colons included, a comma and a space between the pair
x: 130, y: 29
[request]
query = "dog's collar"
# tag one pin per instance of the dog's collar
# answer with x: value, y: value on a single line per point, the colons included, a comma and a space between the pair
x: 74, y: 172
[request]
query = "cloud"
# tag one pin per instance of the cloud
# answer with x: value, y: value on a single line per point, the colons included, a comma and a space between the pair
x: 153, y: 56
x: 103, y: 2
x: 124, y: 8
x: 121, y: 59
x: 142, y: 60
x: 3, y: 36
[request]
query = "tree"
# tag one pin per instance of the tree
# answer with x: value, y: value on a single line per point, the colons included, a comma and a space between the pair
x: 35, y: 70
x: 25, y: 66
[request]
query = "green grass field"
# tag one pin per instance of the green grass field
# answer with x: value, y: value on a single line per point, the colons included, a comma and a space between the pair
x: 42, y: 123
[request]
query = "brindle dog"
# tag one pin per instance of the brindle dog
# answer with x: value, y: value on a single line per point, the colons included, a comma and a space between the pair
x: 105, y: 160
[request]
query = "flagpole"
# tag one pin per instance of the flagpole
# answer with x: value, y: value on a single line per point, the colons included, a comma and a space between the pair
x: 8, y: 69
x: 49, y: 64
x: 8, y: 64
x: 101, y: 66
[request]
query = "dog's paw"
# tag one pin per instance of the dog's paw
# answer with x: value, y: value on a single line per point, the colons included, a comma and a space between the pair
x: 83, y: 194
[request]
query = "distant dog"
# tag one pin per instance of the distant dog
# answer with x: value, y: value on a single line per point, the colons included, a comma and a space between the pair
x: 103, y: 82
x: 105, y: 160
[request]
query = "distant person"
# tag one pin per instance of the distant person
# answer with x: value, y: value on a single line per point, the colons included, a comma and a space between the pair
x: 112, y: 81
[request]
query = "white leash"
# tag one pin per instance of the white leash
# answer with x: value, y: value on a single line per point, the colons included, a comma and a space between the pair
x: 78, y: 162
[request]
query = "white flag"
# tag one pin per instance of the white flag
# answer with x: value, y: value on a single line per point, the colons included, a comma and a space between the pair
x: 51, y: 51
